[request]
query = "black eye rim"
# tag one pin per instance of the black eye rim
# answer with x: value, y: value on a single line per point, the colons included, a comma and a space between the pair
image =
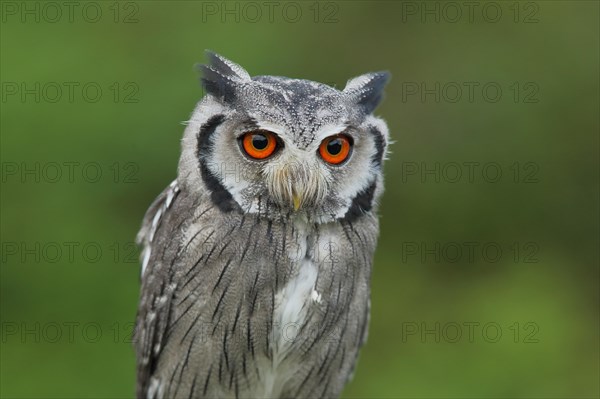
x: 278, y: 144
x: 330, y: 138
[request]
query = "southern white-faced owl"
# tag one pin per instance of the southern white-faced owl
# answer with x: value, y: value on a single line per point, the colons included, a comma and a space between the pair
x: 257, y: 258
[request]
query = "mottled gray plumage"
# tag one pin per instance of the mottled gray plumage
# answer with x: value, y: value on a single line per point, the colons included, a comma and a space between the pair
x: 255, y: 275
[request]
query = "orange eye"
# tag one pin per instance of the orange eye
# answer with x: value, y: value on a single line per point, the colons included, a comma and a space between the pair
x: 335, y: 149
x: 259, y: 144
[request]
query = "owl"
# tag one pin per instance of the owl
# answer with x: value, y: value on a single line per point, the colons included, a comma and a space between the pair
x: 256, y: 260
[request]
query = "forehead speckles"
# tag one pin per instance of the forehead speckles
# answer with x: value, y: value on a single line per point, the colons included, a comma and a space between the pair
x: 301, y: 106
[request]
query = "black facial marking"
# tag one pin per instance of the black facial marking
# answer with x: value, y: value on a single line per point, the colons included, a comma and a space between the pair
x: 362, y: 203
x: 206, y: 131
x: 250, y: 124
x: 218, y: 194
x: 377, y: 158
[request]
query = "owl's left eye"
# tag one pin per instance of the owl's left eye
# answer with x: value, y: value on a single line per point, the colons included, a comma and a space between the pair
x: 335, y: 149
x: 259, y: 144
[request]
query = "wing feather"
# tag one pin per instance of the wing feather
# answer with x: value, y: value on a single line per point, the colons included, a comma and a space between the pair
x: 156, y: 294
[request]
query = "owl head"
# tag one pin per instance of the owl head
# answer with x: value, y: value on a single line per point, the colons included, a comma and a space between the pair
x: 280, y: 147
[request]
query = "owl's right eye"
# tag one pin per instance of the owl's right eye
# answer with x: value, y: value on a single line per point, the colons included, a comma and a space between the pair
x: 259, y: 144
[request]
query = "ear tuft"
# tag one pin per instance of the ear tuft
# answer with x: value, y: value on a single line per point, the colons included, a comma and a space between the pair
x: 367, y: 90
x: 226, y: 67
x: 221, y: 77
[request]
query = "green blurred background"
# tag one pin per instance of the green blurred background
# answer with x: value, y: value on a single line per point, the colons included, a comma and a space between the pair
x: 436, y: 313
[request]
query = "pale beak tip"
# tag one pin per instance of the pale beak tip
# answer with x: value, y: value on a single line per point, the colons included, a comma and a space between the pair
x: 297, y: 202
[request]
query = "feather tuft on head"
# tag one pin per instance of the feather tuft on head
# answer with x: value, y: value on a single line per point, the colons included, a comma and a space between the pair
x: 367, y: 90
x: 222, y: 77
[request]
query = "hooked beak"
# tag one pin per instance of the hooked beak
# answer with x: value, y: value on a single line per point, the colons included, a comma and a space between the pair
x: 297, y: 201
x: 296, y: 185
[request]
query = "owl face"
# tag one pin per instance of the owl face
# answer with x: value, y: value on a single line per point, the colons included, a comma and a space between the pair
x: 281, y: 147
